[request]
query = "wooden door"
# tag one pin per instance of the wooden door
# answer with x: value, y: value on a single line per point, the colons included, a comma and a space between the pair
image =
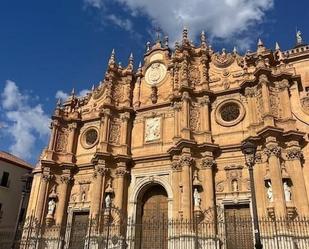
x: 238, y: 224
x: 79, y: 229
x: 154, y: 219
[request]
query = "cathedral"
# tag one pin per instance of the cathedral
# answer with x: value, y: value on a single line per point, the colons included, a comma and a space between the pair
x: 163, y: 141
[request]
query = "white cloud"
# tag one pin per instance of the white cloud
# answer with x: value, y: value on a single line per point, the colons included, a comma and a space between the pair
x: 63, y: 95
x: 25, y: 122
x: 125, y: 24
x: 219, y: 18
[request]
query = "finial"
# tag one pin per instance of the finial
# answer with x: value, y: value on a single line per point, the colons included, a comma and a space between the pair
x: 235, y: 50
x: 59, y: 103
x: 131, y: 58
x: 260, y: 43
x: 277, y: 46
x: 73, y: 92
x: 92, y: 88
x: 185, y: 33
x: 112, y: 57
x: 166, y: 41
x: 176, y: 45
x: 148, y: 46
x: 203, y: 38
x: 119, y: 64
x: 140, y: 64
x: 299, y: 38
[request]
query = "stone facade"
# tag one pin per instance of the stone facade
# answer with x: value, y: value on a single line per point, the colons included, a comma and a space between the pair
x: 179, y: 121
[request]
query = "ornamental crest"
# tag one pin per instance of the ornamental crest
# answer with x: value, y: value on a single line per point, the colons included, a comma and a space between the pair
x: 155, y: 73
x: 223, y: 60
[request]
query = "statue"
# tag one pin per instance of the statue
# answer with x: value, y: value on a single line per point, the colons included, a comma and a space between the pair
x: 235, y: 186
x: 108, y: 201
x: 269, y: 192
x: 197, y: 198
x: 287, y: 191
x: 51, y: 207
x: 299, y: 38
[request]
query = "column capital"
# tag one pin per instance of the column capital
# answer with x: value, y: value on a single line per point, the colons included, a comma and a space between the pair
x: 106, y: 112
x: 46, y: 175
x: 125, y: 116
x: 186, y: 160
x: 121, y: 171
x: 204, y: 101
x: 207, y: 163
x: 176, y: 106
x: 272, y: 150
x: 263, y: 79
x: 66, y: 179
x: 294, y: 154
x: 250, y: 92
x: 72, y: 126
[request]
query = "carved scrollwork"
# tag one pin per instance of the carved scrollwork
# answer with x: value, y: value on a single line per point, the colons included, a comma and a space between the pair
x: 194, y: 75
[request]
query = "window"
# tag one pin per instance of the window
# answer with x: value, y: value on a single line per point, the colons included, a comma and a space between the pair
x: 5, y: 179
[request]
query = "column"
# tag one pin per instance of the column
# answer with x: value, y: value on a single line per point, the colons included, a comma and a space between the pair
x: 176, y: 179
x: 185, y: 116
x: 268, y: 119
x: 62, y: 192
x: 54, y: 124
x: 104, y: 129
x: 285, y: 98
x: 205, y: 118
x: 72, y: 129
x: 294, y: 157
x: 124, y: 131
x: 97, y: 188
x: 186, y: 162
x: 207, y: 165
x: 177, y: 108
x: 121, y: 171
x: 273, y: 151
x: 46, y: 177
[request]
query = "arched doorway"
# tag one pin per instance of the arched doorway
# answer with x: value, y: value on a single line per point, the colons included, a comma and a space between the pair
x: 152, y: 218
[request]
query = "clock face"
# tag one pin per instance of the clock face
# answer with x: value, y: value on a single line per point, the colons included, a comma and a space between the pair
x: 155, y: 73
x: 152, y: 130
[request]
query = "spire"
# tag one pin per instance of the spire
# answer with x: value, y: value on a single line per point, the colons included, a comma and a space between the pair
x: 185, y: 33
x: 92, y: 88
x: 140, y: 64
x: 277, y: 46
x: 131, y: 59
x: 73, y: 92
x: 112, y: 57
x: 260, y: 43
x: 59, y: 103
x: 260, y: 46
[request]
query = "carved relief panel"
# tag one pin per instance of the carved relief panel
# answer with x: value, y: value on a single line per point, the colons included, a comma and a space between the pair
x: 62, y: 140
x: 152, y: 129
x: 115, y: 130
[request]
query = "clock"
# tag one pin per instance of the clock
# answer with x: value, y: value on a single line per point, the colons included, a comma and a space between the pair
x: 155, y: 73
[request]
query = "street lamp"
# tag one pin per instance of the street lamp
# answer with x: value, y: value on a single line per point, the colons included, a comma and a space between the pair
x: 249, y: 150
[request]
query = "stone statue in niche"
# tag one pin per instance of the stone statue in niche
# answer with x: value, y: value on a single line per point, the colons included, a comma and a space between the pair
x: 235, y: 186
x: 51, y: 207
x: 197, y: 199
x: 287, y: 191
x: 269, y: 192
x: 108, y: 201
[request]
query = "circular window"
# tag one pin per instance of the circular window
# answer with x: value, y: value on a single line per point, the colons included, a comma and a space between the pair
x: 90, y: 137
x: 230, y: 112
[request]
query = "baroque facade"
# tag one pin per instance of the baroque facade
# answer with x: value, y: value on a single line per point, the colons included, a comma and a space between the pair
x: 166, y: 138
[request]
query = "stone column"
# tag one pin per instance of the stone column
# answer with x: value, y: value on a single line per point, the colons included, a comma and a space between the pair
x: 54, y: 125
x: 186, y: 162
x: 285, y: 98
x: 124, y: 131
x: 72, y: 129
x: 97, y: 188
x: 46, y: 177
x: 205, y: 121
x: 294, y: 157
x: 104, y: 129
x: 207, y: 165
x: 121, y: 171
x: 62, y: 192
x: 177, y: 108
x: 176, y: 179
x: 250, y: 93
x: 273, y: 151
x: 185, y: 116
x: 268, y: 119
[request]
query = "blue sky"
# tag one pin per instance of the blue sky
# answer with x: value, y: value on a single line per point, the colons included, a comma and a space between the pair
x: 49, y: 47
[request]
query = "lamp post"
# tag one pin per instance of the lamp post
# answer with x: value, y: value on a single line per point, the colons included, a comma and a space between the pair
x: 249, y: 150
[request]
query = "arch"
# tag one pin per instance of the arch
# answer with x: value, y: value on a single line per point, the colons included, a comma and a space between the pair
x: 141, y: 187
